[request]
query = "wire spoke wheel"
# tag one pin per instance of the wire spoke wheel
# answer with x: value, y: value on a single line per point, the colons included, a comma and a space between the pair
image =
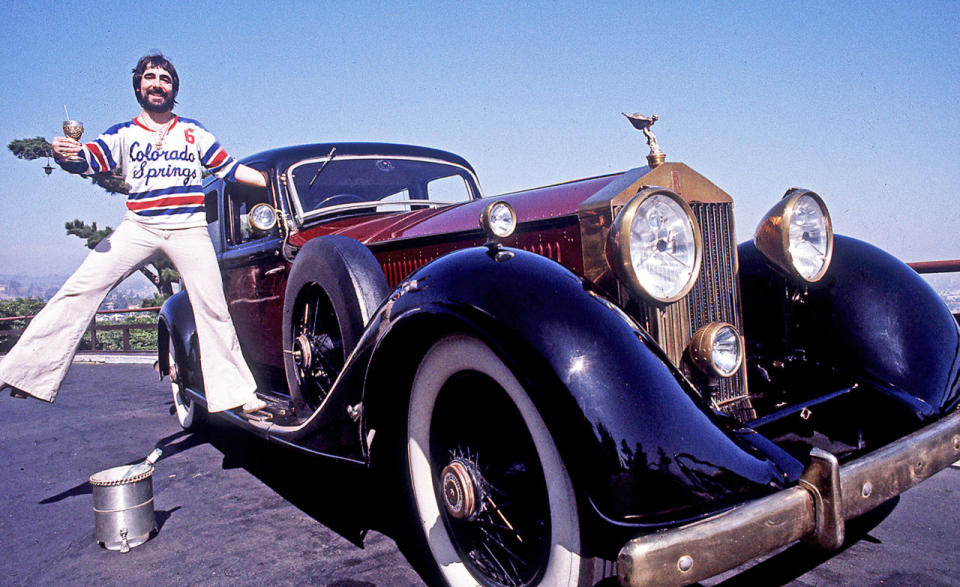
x: 496, y: 504
x: 333, y: 288
x: 317, y: 345
x: 504, y: 535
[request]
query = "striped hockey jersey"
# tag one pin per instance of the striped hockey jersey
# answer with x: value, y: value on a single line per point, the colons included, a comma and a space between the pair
x: 165, y: 183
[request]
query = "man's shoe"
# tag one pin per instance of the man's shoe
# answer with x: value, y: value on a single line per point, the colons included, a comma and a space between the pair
x: 254, y: 405
x: 17, y: 393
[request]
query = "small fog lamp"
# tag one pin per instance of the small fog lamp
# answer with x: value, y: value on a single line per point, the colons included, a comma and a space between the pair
x: 717, y: 349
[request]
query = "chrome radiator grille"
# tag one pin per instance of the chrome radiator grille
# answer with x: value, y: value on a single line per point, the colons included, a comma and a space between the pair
x: 715, y: 297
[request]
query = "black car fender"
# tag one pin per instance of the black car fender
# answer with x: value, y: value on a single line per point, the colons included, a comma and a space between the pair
x: 176, y: 323
x: 870, y: 318
x: 641, y: 446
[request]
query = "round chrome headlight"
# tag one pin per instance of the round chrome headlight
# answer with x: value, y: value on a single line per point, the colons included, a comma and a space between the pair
x: 796, y: 235
x: 654, y: 246
x: 263, y: 217
x: 498, y: 219
x: 717, y: 349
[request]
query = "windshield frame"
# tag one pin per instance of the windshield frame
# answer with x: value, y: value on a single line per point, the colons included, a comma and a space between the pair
x: 333, y: 158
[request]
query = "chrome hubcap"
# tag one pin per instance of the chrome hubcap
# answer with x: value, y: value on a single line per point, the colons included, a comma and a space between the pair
x: 459, y: 491
x: 302, y: 353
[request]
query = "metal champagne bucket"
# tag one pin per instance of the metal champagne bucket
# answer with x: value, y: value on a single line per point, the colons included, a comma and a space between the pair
x: 123, y: 506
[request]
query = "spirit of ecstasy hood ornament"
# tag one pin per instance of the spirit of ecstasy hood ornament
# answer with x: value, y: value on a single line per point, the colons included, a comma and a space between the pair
x: 643, y: 123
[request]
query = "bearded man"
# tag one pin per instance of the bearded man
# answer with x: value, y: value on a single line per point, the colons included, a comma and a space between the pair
x: 162, y: 157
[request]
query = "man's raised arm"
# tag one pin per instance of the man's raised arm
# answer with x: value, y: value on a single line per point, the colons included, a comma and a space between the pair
x: 250, y: 176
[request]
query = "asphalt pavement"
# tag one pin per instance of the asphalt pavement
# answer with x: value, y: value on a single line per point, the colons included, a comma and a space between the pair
x: 235, y: 510
x: 231, y: 509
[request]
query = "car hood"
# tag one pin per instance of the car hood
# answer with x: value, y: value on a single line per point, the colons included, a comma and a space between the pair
x: 530, y: 206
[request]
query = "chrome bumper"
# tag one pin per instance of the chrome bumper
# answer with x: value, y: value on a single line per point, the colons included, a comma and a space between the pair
x: 814, y: 510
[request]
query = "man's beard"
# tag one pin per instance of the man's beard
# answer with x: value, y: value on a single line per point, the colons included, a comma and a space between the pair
x: 164, y: 106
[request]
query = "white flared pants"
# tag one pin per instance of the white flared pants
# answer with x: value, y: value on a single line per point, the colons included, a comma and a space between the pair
x: 39, y: 361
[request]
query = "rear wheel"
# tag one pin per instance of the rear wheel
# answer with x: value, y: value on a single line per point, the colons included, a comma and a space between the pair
x: 494, y: 499
x: 190, y: 415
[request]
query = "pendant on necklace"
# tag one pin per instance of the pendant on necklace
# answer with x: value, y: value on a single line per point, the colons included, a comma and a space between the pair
x: 161, y: 134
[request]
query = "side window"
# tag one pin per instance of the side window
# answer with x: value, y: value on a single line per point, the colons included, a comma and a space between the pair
x: 211, y: 203
x: 240, y: 200
x: 452, y: 188
x: 386, y: 206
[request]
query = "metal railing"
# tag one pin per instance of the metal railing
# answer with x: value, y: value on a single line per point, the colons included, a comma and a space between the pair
x: 945, y: 266
x: 950, y: 266
x: 94, y: 327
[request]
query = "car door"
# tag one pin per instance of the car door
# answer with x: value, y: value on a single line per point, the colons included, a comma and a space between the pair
x: 254, y: 275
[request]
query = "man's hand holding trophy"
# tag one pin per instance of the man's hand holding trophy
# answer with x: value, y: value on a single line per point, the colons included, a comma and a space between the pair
x: 68, y: 148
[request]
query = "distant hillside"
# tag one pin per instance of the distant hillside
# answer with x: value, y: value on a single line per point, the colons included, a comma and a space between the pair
x: 131, y: 291
x: 948, y: 286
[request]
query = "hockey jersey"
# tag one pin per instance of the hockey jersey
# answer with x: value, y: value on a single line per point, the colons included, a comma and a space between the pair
x: 166, y: 181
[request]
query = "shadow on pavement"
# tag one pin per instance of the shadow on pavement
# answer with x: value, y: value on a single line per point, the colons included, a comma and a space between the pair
x: 81, y: 489
x: 166, y: 444
x: 162, y: 516
x: 340, y: 495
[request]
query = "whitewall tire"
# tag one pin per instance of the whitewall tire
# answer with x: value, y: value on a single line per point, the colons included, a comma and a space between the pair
x: 188, y: 412
x: 469, y: 419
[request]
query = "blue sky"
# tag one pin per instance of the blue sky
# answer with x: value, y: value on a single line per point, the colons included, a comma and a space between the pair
x: 855, y: 100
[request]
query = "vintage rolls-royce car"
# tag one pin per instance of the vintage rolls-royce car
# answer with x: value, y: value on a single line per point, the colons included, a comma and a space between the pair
x: 583, y: 380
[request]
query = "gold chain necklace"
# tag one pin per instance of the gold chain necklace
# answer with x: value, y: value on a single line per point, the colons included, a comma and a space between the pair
x: 161, y: 132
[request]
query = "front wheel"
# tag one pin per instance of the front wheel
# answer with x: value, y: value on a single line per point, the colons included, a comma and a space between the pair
x: 494, y: 499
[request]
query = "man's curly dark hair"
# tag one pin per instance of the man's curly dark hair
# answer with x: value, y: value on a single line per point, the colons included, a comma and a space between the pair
x: 154, y: 60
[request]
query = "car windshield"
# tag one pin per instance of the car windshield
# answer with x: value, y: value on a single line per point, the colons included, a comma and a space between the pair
x: 346, y: 184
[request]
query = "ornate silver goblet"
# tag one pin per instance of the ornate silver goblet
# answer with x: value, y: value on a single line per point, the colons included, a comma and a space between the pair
x: 74, y: 130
